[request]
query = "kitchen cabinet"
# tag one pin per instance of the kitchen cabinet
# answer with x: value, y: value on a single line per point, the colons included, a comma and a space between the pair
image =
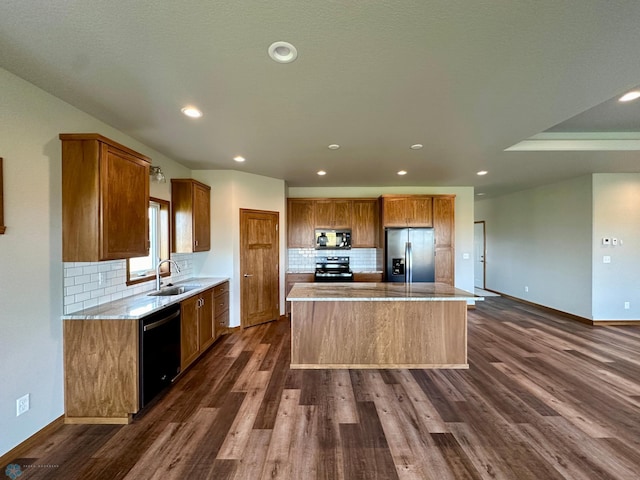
x: 367, y: 277
x: 443, y: 226
x: 105, y: 199
x: 191, y: 207
x: 221, y: 309
x: 101, y: 370
x: 407, y: 211
x: 189, y: 341
x: 333, y: 213
x: 365, y: 223
x: 197, y: 326
x: 300, y: 223
x: 293, y: 278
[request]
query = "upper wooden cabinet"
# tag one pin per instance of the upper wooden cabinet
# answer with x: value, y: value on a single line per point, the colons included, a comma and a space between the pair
x: 365, y: 223
x: 407, y: 211
x: 191, y: 207
x: 300, y: 223
x: 105, y: 199
x: 333, y: 213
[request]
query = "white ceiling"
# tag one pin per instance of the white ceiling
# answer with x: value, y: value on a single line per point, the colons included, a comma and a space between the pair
x: 467, y: 79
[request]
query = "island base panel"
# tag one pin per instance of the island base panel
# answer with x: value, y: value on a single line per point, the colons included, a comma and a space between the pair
x: 379, y: 334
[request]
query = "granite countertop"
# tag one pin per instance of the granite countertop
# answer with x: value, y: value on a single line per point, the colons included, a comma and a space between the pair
x: 369, y: 291
x: 138, y: 306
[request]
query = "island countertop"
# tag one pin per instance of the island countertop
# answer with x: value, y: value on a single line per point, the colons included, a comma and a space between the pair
x: 369, y: 291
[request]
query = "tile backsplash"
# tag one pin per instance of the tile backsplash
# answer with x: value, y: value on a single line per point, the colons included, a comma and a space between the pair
x: 87, y: 284
x: 360, y: 259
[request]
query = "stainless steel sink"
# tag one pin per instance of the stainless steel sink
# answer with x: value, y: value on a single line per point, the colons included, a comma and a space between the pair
x: 175, y: 290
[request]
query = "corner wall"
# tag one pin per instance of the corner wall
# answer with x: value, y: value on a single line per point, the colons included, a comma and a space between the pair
x: 616, y: 214
x: 541, y: 239
x: 230, y: 191
x: 31, y: 269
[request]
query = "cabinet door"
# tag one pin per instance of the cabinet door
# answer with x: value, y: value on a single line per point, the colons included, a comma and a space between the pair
x: 189, y: 343
x: 364, y: 225
x: 419, y: 211
x: 300, y: 223
x: 125, y: 204
x: 394, y: 212
x: 443, y: 226
x: 342, y: 213
x: 205, y: 320
x: 201, y: 219
x: 324, y: 213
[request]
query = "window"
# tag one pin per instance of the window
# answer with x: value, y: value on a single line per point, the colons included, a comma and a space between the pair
x: 143, y: 269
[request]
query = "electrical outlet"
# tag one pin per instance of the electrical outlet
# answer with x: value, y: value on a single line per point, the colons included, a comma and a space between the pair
x: 526, y: 289
x: 22, y: 405
x: 627, y: 305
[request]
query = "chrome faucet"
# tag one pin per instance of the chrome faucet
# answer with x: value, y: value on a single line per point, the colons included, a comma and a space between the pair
x: 158, y: 271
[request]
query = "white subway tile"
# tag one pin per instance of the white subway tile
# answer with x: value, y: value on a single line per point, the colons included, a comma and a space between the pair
x: 73, y: 290
x: 87, y: 287
x: 81, y: 297
x: 90, y: 303
x: 88, y: 270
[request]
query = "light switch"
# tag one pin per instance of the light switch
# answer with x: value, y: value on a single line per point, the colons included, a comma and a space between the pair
x: 606, y: 259
x: 614, y: 241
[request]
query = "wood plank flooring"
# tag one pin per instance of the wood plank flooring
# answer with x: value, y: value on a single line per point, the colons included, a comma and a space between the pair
x: 545, y: 397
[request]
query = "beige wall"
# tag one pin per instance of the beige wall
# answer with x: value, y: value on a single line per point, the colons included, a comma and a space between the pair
x: 230, y: 192
x: 31, y: 291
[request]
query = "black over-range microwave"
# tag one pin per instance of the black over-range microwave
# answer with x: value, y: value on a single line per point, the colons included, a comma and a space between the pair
x: 334, y: 239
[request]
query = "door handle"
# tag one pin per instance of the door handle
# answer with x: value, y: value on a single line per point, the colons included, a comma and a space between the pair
x: 247, y: 275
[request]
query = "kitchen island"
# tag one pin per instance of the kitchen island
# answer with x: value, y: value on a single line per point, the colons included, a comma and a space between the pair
x: 378, y: 325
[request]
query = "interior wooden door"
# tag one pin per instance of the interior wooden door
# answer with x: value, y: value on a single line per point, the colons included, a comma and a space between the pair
x: 259, y: 267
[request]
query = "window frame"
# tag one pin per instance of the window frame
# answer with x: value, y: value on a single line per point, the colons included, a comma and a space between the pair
x: 164, y: 239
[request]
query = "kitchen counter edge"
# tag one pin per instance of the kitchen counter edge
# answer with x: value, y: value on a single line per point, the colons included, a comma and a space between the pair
x: 378, y: 292
x: 141, y: 305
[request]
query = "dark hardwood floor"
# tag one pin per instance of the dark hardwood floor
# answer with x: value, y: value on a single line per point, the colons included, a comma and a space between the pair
x: 545, y: 397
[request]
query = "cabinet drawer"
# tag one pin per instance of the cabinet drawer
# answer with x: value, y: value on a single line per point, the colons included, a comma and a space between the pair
x: 222, y: 322
x: 220, y: 289
x: 222, y: 303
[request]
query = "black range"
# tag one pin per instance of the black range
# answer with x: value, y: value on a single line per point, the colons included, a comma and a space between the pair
x: 333, y: 269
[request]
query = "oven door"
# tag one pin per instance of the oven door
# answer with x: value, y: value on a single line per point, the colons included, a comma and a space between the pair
x: 333, y: 277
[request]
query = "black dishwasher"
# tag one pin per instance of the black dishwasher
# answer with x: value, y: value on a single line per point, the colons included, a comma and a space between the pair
x: 159, y: 352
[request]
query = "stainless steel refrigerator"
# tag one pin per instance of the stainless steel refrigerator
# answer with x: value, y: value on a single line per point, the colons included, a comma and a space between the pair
x: 409, y: 255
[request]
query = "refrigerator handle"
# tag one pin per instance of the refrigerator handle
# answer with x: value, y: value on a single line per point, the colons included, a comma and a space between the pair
x: 409, y: 262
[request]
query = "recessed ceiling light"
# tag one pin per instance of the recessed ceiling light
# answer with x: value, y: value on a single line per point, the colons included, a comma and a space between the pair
x: 239, y: 158
x: 334, y: 146
x: 482, y: 172
x: 283, y: 52
x: 322, y: 172
x: 416, y: 146
x: 192, y: 112
x: 402, y: 172
x: 627, y: 97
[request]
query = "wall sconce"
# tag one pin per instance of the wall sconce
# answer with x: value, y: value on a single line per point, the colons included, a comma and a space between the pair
x: 156, y: 175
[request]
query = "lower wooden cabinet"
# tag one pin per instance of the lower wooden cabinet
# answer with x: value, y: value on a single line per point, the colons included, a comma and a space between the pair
x: 367, y: 277
x: 204, y: 318
x: 100, y: 370
x: 293, y: 278
x: 221, y: 309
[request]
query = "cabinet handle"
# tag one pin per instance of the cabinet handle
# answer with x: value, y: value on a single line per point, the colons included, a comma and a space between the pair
x: 247, y: 275
x: 196, y: 243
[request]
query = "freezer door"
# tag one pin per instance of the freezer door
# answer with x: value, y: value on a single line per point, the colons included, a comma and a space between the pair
x: 422, y: 260
x: 394, y: 255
